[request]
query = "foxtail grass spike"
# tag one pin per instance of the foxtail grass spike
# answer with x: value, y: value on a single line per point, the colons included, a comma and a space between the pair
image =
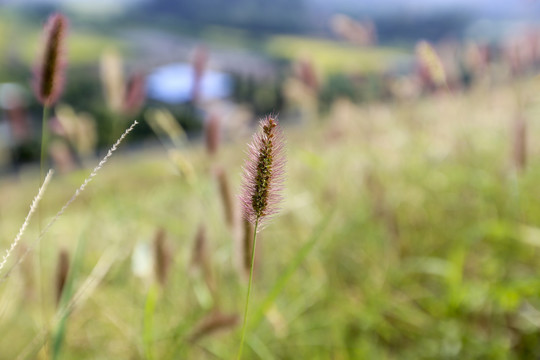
x: 49, y: 74
x: 162, y: 260
x: 135, y: 94
x: 263, y: 173
x: 520, y: 143
x: 212, y: 134
x: 200, y: 258
x: 429, y: 59
x: 212, y: 323
x: 112, y: 79
x: 226, y: 197
x: 199, y: 62
x: 62, y: 269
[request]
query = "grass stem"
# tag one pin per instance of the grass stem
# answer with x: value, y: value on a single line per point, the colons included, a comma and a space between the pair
x: 248, y: 291
x: 42, y: 165
x: 44, y: 139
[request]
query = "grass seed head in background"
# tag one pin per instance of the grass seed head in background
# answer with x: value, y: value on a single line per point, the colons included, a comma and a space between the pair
x: 62, y: 269
x: 135, y: 94
x: 162, y: 257
x: 520, y: 143
x: 199, y: 62
x: 49, y: 74
x: 226, y: 197
x: 306, y: 73
x: 201, y: 262
x: 212, y: 134
x: 263, y: 172
x: 212, y: 323
x: 112, y: 79
x: 199, y: 255
x: 431, y: 63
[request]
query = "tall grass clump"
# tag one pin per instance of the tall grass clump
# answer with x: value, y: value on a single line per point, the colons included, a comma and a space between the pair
x: 261, y: 187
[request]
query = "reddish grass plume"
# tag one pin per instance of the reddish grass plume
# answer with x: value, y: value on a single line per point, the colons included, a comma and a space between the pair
x: 264, y: 173
x: 49, y: 73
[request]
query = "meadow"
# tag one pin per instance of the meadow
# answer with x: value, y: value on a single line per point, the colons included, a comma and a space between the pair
x: 409, y: 227
x: 407, y: 232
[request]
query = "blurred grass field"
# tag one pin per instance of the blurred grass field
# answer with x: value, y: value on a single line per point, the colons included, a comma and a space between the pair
x: 84, y: 46
x: 334, y: 57
x: 405, y: 234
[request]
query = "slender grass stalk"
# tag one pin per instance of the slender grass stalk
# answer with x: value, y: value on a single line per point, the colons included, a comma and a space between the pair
x: 42, y: 165
x: 248, y: 291
x: 44, y: 140
x: 148, y: 321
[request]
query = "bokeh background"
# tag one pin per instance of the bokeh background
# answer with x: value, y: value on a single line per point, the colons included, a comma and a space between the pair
x: 410, y: 226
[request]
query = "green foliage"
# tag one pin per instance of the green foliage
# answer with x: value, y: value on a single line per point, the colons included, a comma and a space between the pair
x: 403, y: 244
x: 359, y: 89
x: 277, y: 16
x: 405, y: 234
x: 332, y: 56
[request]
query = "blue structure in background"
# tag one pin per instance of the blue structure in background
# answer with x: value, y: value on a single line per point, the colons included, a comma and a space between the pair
x: 174, y: 83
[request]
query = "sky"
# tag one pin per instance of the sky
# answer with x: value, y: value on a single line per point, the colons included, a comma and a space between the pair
x: 528, y: 9
x: 497, y: 8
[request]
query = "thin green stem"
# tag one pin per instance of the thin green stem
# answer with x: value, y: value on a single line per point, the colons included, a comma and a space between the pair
x: 248, y: 290
x: 44, y: 138
x: 148, y: 321
x: 42, y: 165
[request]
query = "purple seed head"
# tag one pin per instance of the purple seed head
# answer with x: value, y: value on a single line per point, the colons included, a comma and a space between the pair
x: 212, y: 133
x: 135, y: 94
x: 264, y: 172
x: 62, y: 270
x: 49, y: 74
